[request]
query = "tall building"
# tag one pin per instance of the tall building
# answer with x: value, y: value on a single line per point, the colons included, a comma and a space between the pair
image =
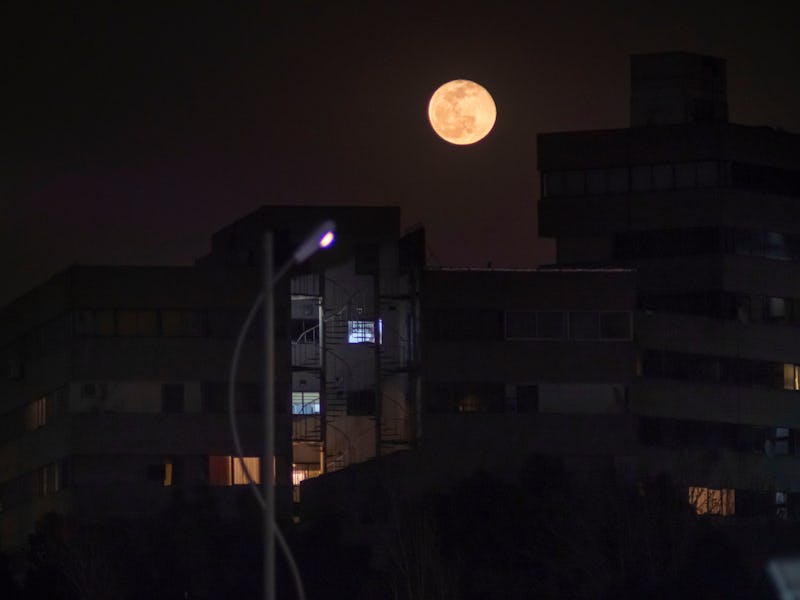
x: 350, y: 321
x: 706, y: 213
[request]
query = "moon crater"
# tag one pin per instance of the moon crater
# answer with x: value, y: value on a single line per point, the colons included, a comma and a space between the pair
x: 462, y: 112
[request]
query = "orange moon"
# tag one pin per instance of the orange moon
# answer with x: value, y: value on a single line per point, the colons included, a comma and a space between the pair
x: 462, y: 112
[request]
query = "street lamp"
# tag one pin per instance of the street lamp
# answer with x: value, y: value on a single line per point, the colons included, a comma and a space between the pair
x: 322, y: 237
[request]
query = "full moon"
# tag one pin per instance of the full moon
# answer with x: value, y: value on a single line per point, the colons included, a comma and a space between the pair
x: 462, y: 112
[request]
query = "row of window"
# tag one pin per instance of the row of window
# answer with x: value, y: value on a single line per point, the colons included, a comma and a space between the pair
x: 47, y: 408
x: 671, y: 176
x: 476, y: 324
x: 637, y: 178
x: 144, y: 323
x: 481, y: 397
x: 42, y: 482
x: 720, y: 369
x: 696, y: 241
x: 747, y: 308
x: 677, y: 433
x: 728, y: 502
x: 222, y: 471
x: 55, y: 477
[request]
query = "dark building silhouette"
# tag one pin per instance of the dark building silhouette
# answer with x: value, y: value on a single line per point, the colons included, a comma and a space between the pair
x: 705, y: 212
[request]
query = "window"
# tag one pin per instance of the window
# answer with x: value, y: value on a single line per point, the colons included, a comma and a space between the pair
x: 162, y: 473
x: 615, y: 325
x: 775, y: 309
x: 527, y: 398
x: 520, y: 324
x: 553, y: 184
x: 709, y: 501
x: 550, y: 324
x: 181, y: 323
x: 305, y: 403
x: 50, y: 479
x: 663, y: 177
x: 301, y: 472
x: 229, y: 470
x: 36, y: 413
x: 596, y: 181
x: 584, y: 325
x: 137, y: 323
x: 641, y: 178
x: 685, y: 175
x: 172, y: 398
x: 94, y: 322
x: 780, y: 505
x: 574, y: 184
x: 791, y: 377
x: 363, y: 332
x: 707, y: 174
x: 215, y: 397
x: 618, y: 180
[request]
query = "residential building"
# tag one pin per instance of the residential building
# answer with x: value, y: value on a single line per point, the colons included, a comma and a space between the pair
x: 115, y: 388
x: 114, y: 393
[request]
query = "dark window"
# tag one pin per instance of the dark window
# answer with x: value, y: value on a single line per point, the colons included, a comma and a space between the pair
x: 521, y: 324
x: 215, y: 397
x: 465, y: 324
x: 527, y: 398
x: 361, y: 402
x: 584, y: 325
x: 550, y: 324
x: 172, y: 398
x: 722, y: 369
x: 615, y: 325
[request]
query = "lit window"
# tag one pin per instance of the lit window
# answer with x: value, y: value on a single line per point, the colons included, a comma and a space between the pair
x: 229, y: 470
x: 470, y: 403
x: 301, y: 472
x: 363, y: 332
x: 709, y: 501
x: 305, y: 403
x: 791, y: 377
x: 162, y: 473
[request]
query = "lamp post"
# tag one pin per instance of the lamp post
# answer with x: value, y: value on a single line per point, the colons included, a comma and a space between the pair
x: 321, y: 237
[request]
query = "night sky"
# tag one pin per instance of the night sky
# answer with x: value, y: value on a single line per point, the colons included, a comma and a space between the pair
x: 129, y: 135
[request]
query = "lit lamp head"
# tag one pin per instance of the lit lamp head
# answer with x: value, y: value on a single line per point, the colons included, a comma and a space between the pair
x: 321, y: 237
